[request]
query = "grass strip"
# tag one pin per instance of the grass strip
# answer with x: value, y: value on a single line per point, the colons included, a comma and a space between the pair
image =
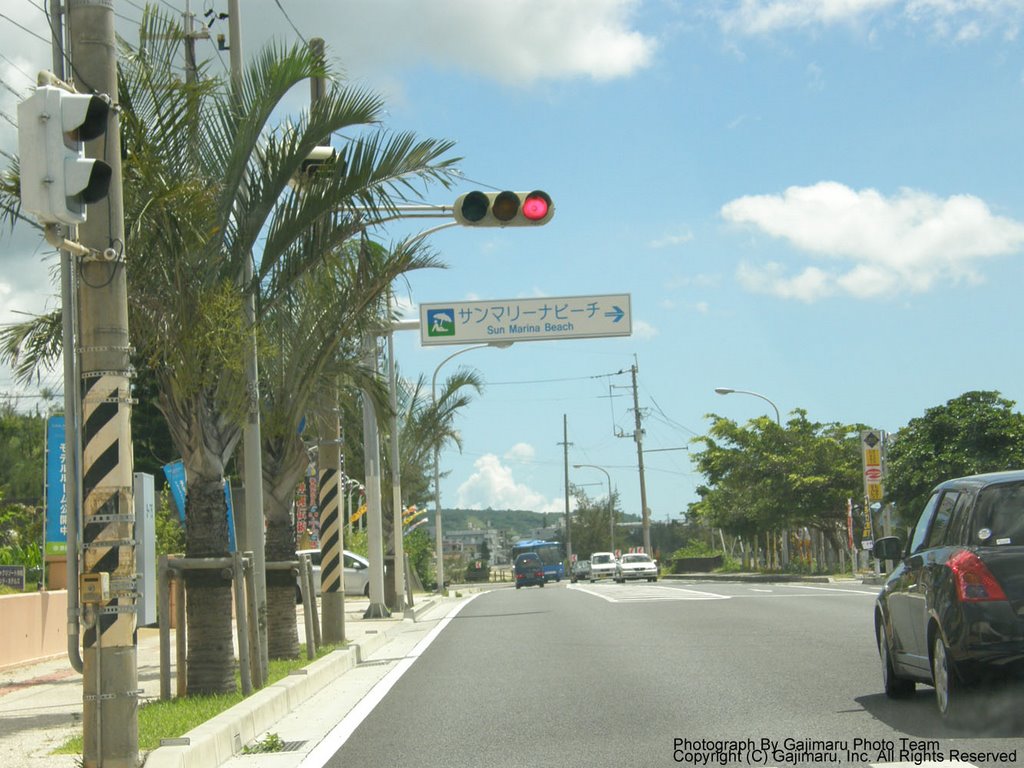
x: 170, y: 719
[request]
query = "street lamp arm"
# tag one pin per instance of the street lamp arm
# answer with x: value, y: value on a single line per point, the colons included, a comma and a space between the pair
x: 611, y: 509
x: 438, y: 535
x: 730, y: 391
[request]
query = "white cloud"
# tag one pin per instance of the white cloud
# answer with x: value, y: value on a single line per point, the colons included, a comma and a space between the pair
x: 644, y: 330
x: 961, y: 20
x: 756, y: 17
x: 492, y: 486
x: 884, y: 245
x: 516, y: 43
x: 667, y: 241
x: 521, y: 452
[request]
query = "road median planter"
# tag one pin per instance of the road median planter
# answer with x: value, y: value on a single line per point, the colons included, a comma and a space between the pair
x: 696, y: 564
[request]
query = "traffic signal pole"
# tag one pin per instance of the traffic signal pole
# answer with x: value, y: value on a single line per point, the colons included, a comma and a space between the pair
x: 110, y: 675
x: 330, y: 466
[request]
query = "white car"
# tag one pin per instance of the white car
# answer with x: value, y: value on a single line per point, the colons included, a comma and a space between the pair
x: 357, y: 573
x: 635, y: 565
x: 602, y: 566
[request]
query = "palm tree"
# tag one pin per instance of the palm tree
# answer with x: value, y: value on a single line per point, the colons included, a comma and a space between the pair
x: 423, y: 424
x: 312, y: 342
x: 208, y: 188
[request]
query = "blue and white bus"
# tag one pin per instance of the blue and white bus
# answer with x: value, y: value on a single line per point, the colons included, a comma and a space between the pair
x: 551, y: 554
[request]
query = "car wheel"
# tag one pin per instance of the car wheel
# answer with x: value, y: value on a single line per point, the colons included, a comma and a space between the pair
x: 948, y: 693
x: 518, y: 586
x: 366, y: 590
x: 654, y: 578
x: 542, y: 585
x: 895, y: 687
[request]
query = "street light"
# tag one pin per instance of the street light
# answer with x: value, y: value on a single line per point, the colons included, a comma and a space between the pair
x: 611, y: 511
x: 437, y: 458
x: 778, y: 420
x: 730, y: 391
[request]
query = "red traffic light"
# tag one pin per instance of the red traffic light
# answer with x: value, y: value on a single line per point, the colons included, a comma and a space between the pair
x: 504, y: 209
x: 536, y: 206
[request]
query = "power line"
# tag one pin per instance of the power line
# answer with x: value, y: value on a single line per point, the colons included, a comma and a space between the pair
x: 19, y: 69
x: 554, y: 381
x: 288, y: 19
x: 24, y: 29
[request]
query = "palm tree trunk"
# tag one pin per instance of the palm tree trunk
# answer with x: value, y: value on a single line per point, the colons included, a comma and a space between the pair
x: 211, y: 659
x: 282, y: 631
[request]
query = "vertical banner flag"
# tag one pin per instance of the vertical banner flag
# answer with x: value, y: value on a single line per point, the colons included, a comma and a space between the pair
x: 871, y: 452
x: 175, y: 474
x: 178, y: 483
x: 56, y: 495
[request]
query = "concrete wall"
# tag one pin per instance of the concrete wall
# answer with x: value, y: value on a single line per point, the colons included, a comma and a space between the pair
x: 33, y: 626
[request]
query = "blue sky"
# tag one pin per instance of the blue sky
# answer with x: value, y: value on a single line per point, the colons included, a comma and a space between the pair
x: 815, y: 200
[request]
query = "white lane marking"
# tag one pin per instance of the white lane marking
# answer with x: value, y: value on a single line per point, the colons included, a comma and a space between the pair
x: 868, y: 592
x: 619, y: 594
x: 333, y: 741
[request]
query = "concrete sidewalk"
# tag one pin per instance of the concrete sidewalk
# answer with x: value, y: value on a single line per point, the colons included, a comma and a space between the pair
x: 41, y: 702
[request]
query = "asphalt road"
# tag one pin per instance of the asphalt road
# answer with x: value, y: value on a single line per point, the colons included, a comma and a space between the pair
x: 664, y: 674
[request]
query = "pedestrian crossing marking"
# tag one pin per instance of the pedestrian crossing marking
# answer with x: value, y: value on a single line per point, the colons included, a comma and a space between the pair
x: 649, y: 593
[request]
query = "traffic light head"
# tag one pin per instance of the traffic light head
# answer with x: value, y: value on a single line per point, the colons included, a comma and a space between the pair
x: 504, y: 209
x: 57, y: 180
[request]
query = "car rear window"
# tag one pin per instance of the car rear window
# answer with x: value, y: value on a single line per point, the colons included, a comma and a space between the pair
x: 999, y: 516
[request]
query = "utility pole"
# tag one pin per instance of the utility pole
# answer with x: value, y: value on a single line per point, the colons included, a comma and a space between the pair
x: 371, y: 467
x: 638, y: 435
x: 252, y: 440
x: 331, y: 466
x: 110, y: 673
x: 190, y: 43
x: 565, y: 451
x: 398, y: 546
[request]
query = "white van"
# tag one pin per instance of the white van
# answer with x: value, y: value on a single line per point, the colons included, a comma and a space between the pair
x: 602, y: 566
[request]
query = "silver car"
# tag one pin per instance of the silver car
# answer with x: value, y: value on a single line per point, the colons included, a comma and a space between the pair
x: 635, y: 565
x: 357, y: 572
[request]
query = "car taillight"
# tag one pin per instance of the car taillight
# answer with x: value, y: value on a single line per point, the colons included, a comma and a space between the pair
x: 974, y: 581
x: 539, y: 574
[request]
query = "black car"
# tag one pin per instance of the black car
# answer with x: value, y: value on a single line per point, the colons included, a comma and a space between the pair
x: 951, y: 613
x: 529, y: 570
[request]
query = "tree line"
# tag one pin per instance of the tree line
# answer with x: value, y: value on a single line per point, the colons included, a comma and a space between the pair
x: 770, y: 485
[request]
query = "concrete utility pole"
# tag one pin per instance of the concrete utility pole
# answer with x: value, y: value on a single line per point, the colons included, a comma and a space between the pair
x: 638, y: 435
x: 371, y: 467
x: 252, y: 440
x: 565, y: 451
x: 397, y: 513
x: 331, y: 468
x: 332, y: 582
x: 110, y: 674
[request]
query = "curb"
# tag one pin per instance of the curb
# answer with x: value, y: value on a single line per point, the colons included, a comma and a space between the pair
x: 222, y: 737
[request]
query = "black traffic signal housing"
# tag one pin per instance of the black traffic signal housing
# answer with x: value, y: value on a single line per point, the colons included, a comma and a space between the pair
x: 504, y: 209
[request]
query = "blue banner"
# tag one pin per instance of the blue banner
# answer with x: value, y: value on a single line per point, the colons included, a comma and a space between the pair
x: 178, y: 483
x: 175, y: 474
x: 56, y: 497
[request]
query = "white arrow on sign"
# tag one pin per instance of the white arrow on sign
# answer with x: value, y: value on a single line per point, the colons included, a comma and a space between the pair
x: 546, y: 319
